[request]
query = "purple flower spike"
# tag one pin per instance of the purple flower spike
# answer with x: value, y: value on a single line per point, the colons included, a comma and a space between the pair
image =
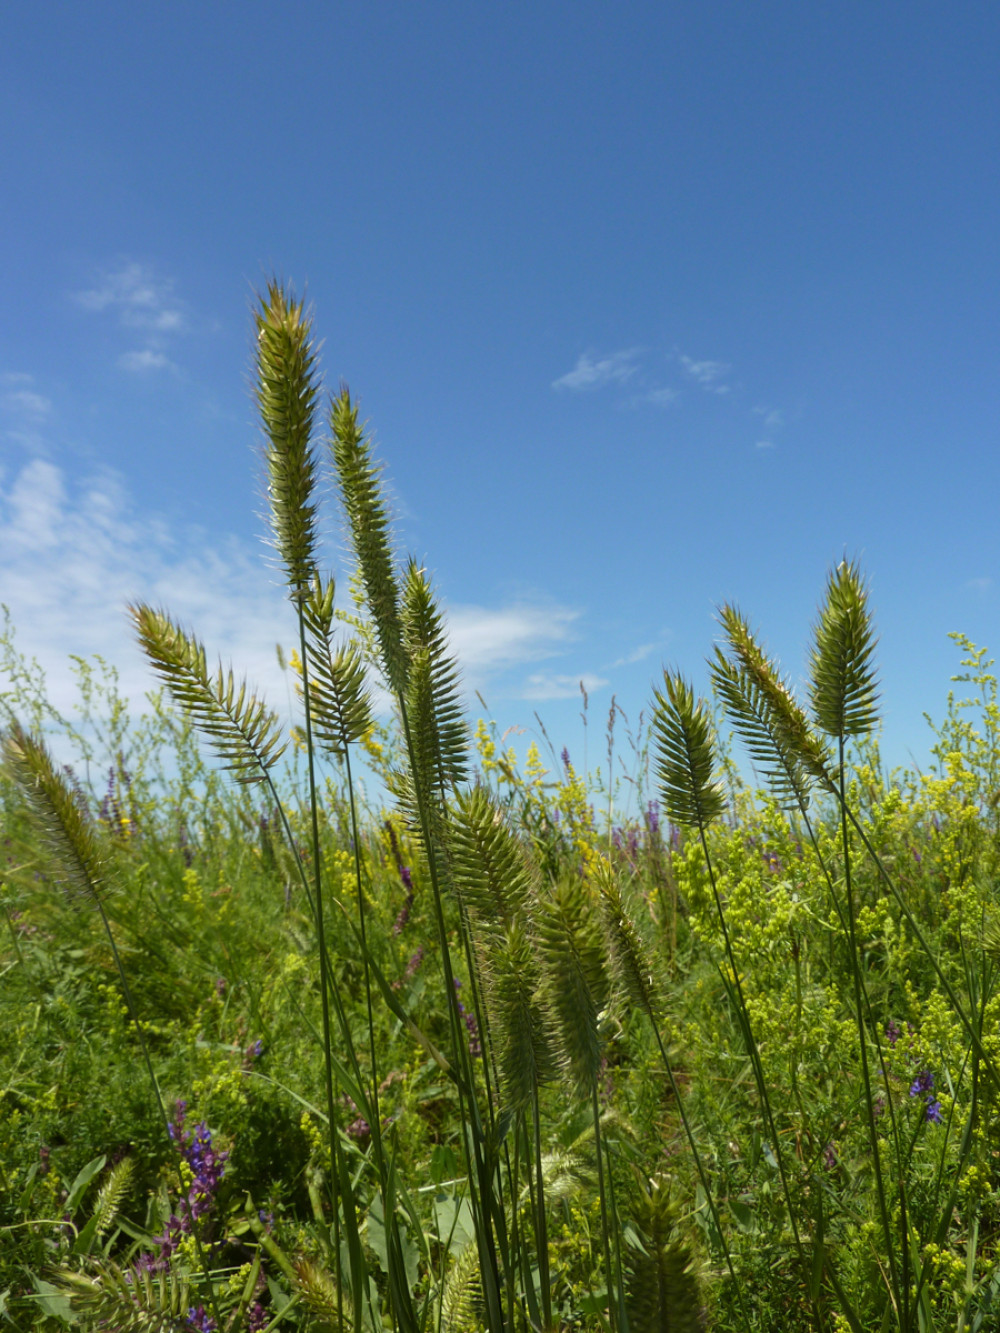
x: 922, y: 1083
x: 933, y: 1112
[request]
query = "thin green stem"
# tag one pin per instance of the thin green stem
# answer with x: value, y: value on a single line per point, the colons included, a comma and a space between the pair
x: 900, y: 1287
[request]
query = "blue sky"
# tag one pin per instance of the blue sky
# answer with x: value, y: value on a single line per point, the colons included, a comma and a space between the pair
x: 649, y: 306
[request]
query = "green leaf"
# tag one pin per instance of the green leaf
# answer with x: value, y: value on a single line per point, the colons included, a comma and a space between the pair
x: 83, y: 1179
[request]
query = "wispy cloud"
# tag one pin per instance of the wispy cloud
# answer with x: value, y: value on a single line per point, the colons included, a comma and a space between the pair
x: 764, y: 444
x: 74, y: 554
x: 594, y: 372
x: 636, y: 655
x: 140, y: 301
x: 23, y: 410
x: 708, y: 374
x: 144, y: 361
x: 487, y: 641
x: 661, y: 397
x: 27, y: 402
x: 772, y: 417
x: 544, y: 686
x: 139, y: 298
x: 983, y: 584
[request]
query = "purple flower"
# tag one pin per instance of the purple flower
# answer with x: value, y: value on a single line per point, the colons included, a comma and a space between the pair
x: 207, y: 1165
x: 653, y: 818
x: 471, y: 1026
x: 404, y: 911
x: 893, y: 1032
x: 922, y: 1083
x: 198, y: 1319
x: 258, y: 1318
x: 933, y: 1112
x: 829, y: 1157
x: 565, y: 758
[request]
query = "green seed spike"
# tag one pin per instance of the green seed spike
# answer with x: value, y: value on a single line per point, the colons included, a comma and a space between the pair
x: 685, y: 755
x: 628, y: 954
x: 524, y: 1052
x: 129, y: 1302
x: 65, y: 824
x: 769, y: 716
x: 488, y: 863
x: 424, y: 636
x: 662, y: 1292
x: 367, y: 519
x: 286, y: 391
x: 245, y: 736
x: 341, y: 704
x: 575, y: 989
x: 843, y: 685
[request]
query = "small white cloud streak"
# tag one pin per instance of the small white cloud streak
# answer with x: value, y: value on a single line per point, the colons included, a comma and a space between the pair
x: 637, y: 655
x: 594, y: 372
x: 983, y: 584
x: 142, y: 362
x: 773, y: 417
x: 661, y: 397
x: 707, y: 373
x: 764, y: 444
x: 544, y: 686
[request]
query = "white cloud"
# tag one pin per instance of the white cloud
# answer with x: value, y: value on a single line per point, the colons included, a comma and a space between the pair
x: 764, y: 444
x: 140, y: 301
x: 543, y: 686
x: 137, y: 296
x: 26, y: 402
x: 492, y: 640
x: 593, y: 372
x: 983, y: 584
x: 23, y: 411
x: 660, y: 397
x: 636, y: 655
x: 707, y: 373
x: 772, y: 416
x: 74, y: 554
x: 146, y: 360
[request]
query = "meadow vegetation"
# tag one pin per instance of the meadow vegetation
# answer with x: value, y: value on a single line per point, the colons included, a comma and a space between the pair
x: 521, y: 1045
